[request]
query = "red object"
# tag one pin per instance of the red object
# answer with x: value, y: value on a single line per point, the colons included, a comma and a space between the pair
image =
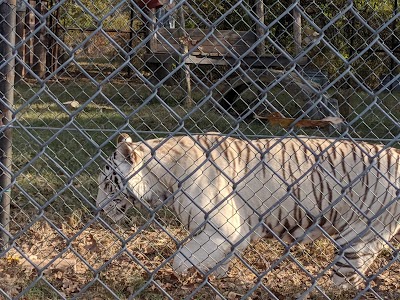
x: 149, y: 4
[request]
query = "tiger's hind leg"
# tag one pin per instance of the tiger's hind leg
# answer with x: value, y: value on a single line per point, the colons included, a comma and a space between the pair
x: 353, y: 261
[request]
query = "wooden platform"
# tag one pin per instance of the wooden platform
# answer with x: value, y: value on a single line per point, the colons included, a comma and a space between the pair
x: 211, y: 47
x: 208, y: 47
x: 205, y: 42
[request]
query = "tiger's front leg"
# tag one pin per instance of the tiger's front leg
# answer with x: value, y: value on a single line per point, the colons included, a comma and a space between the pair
x: 215, y: 245
x: 204, y: 252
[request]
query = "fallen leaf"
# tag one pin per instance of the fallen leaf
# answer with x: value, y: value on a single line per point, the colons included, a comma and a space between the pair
x: 172, y: 277
x: 91, y: 244
x: 75, y: 219
x: 73, y: 104
x: 189, y: 287
x: 70, y: 286
x: 9, y: 284
x: 13, y: 259
x: 58, y: 274
x: 80, y: 268
x: 233, y: 296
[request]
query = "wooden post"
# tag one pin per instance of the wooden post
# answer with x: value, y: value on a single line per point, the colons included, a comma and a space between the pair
x: 297, y: 29
x: 149, y: 24
x: 184, y: 41
x: 258, y: 9
x: 20, y: 36
x: 29, y: 21
x: 53, y: 48
x: 345, y: 93
x: 7, y: 61
x: 394, y: 42
x: 131, y: 35
x: 157, y: 70
x: 39, y: 44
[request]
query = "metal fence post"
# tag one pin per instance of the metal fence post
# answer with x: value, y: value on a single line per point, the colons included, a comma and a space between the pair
x: 7, y: 42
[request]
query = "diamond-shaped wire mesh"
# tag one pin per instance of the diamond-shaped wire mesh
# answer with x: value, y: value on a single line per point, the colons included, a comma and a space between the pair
x: 261, y: 161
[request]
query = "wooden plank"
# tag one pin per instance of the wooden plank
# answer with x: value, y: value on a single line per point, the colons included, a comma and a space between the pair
x: 249, y: 61
x: 223, y: 42
x: 230, y: 36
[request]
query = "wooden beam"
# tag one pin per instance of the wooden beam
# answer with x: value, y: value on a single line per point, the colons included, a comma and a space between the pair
x: 247, y: 61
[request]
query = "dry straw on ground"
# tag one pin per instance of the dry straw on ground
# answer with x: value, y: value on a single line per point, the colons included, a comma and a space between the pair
x: 127, y: 261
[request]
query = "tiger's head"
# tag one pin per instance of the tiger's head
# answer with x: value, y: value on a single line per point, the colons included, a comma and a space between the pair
x: 114, y: 195
x: 130, y: 178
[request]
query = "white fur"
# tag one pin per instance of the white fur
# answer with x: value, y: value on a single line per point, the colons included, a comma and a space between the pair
x: 221, y: 206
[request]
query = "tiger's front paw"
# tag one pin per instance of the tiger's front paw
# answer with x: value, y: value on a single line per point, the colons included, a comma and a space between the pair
x: 182, y: 265
x: 351, y: 281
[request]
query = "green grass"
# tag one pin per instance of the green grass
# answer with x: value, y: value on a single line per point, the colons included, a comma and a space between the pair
x: 73, y: 156
x: 56, y: 170
x: 375, y: 118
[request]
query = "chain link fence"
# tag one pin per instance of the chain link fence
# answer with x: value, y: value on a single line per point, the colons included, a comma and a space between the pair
x: 77, y: 74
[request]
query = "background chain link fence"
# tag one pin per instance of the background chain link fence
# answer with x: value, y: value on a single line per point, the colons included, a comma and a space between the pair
x: 86, y: 71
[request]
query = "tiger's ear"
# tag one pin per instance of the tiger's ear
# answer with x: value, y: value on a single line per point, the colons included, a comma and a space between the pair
x: 124, y: 137
x: 124, y: 150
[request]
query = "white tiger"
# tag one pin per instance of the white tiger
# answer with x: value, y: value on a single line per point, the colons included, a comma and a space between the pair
x: 229, y: 192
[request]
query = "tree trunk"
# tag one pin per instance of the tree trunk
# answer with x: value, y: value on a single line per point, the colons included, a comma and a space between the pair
x: 39, y: 44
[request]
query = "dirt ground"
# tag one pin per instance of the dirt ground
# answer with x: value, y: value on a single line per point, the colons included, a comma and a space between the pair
x: 95, y: 261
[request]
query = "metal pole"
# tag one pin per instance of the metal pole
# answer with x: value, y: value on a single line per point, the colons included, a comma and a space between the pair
x: 7, y: 61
